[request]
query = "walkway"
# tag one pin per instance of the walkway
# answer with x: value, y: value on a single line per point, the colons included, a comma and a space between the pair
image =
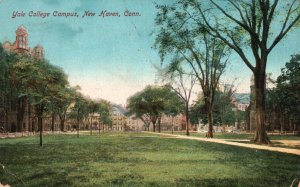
x: 222, y: 141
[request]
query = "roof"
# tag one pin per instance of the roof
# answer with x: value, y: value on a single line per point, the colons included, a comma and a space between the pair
x: 22, y: 28
x: 118, y: 109
x: 242, y: 97
x: 38, y: 46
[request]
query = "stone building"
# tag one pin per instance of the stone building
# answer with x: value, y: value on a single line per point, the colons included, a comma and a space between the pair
x: 134, y: 124
x: 118, y: 118
x: 20, y: 115
x: 21, y: 45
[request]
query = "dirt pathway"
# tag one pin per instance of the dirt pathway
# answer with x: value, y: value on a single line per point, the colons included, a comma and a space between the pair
x: 223, y: 141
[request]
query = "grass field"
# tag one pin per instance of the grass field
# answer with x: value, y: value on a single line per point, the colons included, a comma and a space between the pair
x: 140, y: 159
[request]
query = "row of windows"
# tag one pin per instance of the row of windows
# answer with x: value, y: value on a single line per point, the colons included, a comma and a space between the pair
x: 22, y: 41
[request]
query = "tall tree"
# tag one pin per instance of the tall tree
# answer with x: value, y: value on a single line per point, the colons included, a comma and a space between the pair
x: 39, y: 81
x: 174, y: 106
x: 8, y: 91
x: 223, y: 106
x: 182, y: 83
x: 59, y: 104
x: 93, y: 108
x: 79, y: 111
x: 249, y: 28
x: 288, y: 90
x: 150, y: 104
x: 184, y: 42
x: 136, y: 107
x: 105, y: 112
x: 67, y: 97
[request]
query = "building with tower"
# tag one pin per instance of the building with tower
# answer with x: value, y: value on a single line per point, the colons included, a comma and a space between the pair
x: 13, y: 121
x: 20, y: 46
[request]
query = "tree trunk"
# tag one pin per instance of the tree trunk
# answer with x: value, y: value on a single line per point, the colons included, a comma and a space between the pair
x: 261, y: 136
x: 159, y: 120
x: 20, y: 113
x: 153, y: 120
x: 153, y: 126
x: 172, y: 124
x: 290, y: 125
x: 294, y: 128
x: 40, y: 110
x: 99, y: 127
x: 52, y: 121
x: 29, y: 127
x: 6, y: 121
x: 77, y: 128
x: 62, y: 123
x: 91, y: 127
x: 210, y: 123
x: 187, y: 119
x: 40, y: 124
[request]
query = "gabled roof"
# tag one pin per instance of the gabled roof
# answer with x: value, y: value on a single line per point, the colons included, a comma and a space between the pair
x: 243, y: 98
x: 22, y: 28
x: 118, y: 109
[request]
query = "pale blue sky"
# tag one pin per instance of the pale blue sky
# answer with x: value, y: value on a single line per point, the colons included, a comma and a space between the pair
x: 109, y: 57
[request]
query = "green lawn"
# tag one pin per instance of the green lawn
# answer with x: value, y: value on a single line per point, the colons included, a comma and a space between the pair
x: 140, y: 159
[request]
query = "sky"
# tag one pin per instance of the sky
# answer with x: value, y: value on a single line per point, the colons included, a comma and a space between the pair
x: 110, y: 57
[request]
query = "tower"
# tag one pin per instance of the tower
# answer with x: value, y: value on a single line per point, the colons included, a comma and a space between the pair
x: 252, y: 105
x: 21, y: 43
x: 38, y: 52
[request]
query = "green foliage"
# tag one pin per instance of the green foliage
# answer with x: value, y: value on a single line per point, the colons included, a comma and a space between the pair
x: 174, y: 105
x: 182, y: 37
x: 80, y: 109
x: 288, y: 88
x: 242, y: 25
x: 198, y: 112
x: 104, y: 109
x: 38, y: 80
x: 7, y: 90
x: 223, y: 112
x: 284, y: 100
x: 152, y: 102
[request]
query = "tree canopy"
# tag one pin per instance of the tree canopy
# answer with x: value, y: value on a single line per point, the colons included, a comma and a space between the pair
x: 187, y: 45
x: 152, y: 102
x: 250, y: 28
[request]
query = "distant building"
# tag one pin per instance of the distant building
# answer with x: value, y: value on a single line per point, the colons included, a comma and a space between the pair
x: 134, y: 124
x: 91, y: 121
x: 118, y: 118
x: 177, y: 123
x: 241, y: 101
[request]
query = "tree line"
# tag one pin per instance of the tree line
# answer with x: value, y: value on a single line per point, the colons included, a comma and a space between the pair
x: 283, y: 100
x: 35, y: 85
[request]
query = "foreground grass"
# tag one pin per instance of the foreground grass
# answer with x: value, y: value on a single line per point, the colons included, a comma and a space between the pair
x: 137, y: 159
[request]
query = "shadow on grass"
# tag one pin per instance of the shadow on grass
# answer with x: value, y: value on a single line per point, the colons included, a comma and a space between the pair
x: 237, y: 182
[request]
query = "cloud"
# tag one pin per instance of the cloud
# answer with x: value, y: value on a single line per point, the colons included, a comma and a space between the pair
x: 64, y: 31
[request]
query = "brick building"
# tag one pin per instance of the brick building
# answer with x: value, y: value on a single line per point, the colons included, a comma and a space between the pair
x: 20, y: 115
